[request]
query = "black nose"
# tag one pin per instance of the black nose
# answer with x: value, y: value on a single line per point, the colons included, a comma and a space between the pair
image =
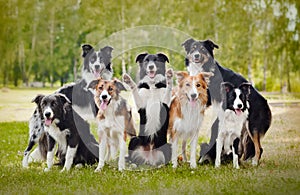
x: 197, y: 55
x: 239, y: 105
x: 104, y: 97
x: 193, y: 96
x: 151, y: 67
x: 47, y: 114
x: 97, y: 67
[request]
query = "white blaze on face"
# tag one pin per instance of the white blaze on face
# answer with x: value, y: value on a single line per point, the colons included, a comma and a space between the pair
x: 104, y: 102
x: 151, y: 71
x: 48, y: 119
x: 193, y: 91
x: 238, y: 104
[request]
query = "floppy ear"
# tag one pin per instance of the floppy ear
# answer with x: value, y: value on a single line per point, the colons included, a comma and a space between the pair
x: 187, y: 44
x: 86, y: 48
x: 209, y: 45
x: 245, y: 88
x: 119, y: 85
x: 107, y: 50
x: 162, y: 57
x: 94, y: 83
x: 38, y: 99
x: 227, y: 86
x: 65, y: 101
x: 206, y: 76
x: 141, y: 57
x: 180, y: 75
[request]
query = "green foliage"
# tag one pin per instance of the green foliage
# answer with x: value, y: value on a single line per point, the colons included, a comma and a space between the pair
x: 40, y: 40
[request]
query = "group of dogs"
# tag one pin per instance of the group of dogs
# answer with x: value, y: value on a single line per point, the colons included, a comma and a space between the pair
x: 241, y: 115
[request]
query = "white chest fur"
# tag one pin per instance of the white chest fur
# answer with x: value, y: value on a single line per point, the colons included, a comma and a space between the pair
x: 59, y: 136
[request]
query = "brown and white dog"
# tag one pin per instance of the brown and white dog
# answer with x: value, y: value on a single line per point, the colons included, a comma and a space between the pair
x: 187, y: 112
x: 115, y: 120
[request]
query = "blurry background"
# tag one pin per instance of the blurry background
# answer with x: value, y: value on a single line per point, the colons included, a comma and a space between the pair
x: 40, y: 40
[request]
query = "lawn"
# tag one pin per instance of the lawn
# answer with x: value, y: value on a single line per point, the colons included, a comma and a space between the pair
x: 278, y: 172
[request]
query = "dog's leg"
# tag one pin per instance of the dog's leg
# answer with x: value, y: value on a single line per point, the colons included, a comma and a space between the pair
x: 35, y: 155
x: 256, y: 141
x: 26, y: 159
x: 122, y: 145
x: 137, y: 98
x: 168, y: 94
x: 50, y: 153
x: 183, y: 148
x: 219, y: 145
x: 194, y: 142
x: 102, y: 145
x: 235, y: 156
x: 71, y: 152
x: 174, y: 150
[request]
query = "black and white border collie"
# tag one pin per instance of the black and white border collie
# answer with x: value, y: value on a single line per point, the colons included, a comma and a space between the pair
x: 152, y: 97
x: 76, y: 145
x: 235, y: 106
x: 95, y: 63
x: 200, y: 58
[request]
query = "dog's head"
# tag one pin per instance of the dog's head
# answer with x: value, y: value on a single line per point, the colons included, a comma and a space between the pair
x: 152, y: 65
x: 192, y: 88
x: 199, y: 52
x: 235, y: 99
x: 97, y: 63
x: 106, y: 91
x: 54, y: 107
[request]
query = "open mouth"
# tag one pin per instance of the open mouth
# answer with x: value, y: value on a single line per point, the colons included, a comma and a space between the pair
x: 238, y: 111
x: 104, y: 104
x: 97, y: 73
x: 198, y: 59
x: 48, y: 121
x: 151, y: 74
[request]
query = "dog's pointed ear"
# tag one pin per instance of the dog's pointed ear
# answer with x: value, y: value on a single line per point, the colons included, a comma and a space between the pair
x: 209, y: 45
x: 64, y: 98
x: 140, y: 57
x: 37, y: 99
x: 94, y: 83
x: 107, y: 50
x: 227, y: 86
x: 245, y: 88
x: 119, y: 85
x: 162, y: 57
x: 180, y: 75
x: 187, y: 44
x: 206, y: 76
x: 86, y: 48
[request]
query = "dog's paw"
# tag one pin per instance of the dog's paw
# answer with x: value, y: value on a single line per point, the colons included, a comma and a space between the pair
x: 98, y: 169
x: 254, y: 162
x: 128, y: 80
x: 169, y: 73
x: 193, y: 165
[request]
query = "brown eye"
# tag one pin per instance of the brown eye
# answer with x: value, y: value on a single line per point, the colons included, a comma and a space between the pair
x: 187, y: 84
x: 198, y: 85
x: 100, y: 88
x: 110, y: 89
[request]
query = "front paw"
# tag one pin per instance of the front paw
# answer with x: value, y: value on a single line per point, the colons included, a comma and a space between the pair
x: 169, y: 73
x: 128, y: 80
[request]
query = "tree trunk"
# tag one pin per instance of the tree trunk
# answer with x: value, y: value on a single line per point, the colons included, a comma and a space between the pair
x: 52, y: 45
x: 250, y: 54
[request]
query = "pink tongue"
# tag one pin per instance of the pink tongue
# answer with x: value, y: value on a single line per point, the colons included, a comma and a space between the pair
x: 193, y: 103
x: 151, y: 74
x: 48, y: 122
x: 238, y: 112
x: 103, y: 105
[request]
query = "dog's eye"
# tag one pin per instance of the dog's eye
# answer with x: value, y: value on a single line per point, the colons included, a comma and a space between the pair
x: 100, y: 88
x: 110, y: 89
x: 198, y: 85
x: 154, y: 59
x: 187, y: 84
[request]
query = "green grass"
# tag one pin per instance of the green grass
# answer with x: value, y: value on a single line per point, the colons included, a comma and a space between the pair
x: 278, y: 172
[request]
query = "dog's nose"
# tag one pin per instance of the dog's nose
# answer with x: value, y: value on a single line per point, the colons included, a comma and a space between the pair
x: 239, y: 105
x: 47, y: 114
x: 197, y: 55
x: 193, y: 96
x: 151, y: 67
x: 104, y: 97
x: 97, y: 67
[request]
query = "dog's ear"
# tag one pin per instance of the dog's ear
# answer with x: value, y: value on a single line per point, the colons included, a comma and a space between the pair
x: 162, y: 57
x: 107, y: 50
x: 86, y: 48
x: 187, y: 44
x: 245, y: 88
x: 94, y: 83
x: 180, y: 75
x: 119, y: 85
x: 38, y: 99
x: 206, y: 76
x: 227, y: 86
x: 209, y: 45
x: 140, y: 57
x: 67, y: 105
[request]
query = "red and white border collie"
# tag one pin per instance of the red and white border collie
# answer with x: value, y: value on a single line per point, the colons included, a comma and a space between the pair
x: 186, y: 113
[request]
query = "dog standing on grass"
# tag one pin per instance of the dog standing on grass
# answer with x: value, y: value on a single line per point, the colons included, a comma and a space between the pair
x: 187, y: 113
x: 114, y: 120
x: 235, y: 105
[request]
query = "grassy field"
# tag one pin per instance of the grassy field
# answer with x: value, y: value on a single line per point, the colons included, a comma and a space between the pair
x: 278, y: 173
